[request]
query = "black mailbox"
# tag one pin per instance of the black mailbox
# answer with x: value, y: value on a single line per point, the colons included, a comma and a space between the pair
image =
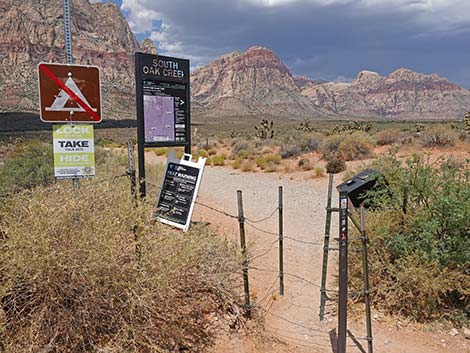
x: 359, y: 185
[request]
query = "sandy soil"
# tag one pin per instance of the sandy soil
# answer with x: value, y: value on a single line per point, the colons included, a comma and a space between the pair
x: 292, y: 321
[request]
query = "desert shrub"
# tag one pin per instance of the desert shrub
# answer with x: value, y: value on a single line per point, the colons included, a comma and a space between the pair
x: 212, y: 151
x: 75, y: 283
x: 419, y: 259
x: 310, y: 142
x: 202, y: 153
x: 358, y: 145
x: 237, y: 163
x: 240, y: 145
x: 318, y: 172
x: 261, y: 162
x: 388, y: 136
x: 335, y: 164
x: 330, y: 145
x: 439, y: 136
x: 29, y: 165
x: 218, y: 161
x: 291, y: 150
x: 305, y: 164
x: 248, y: 165
x: 271, y: 167
x: 161, y: 151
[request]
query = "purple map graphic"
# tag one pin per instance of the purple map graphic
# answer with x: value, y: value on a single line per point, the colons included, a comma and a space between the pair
x: 159, y: 118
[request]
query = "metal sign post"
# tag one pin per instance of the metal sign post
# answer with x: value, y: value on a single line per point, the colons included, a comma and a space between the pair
x: 163, y: 105
x: 343, y: 272
x: 68, y: 32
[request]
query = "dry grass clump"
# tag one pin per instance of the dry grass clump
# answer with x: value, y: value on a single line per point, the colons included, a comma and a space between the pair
x: 268, y: 159
x: 356, y: 146
x: 330, y: 145
x: 335, y: 164
x: 248, y: 165
x: 388, y: 136
x: 305, y: 164
x: 71, y: 279
x: 439, y: 136
x: 237, y: 163
x: 318, y: 172
x: 217, y: 161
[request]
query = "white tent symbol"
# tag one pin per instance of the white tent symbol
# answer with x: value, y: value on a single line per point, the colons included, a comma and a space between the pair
x: 62, y: 98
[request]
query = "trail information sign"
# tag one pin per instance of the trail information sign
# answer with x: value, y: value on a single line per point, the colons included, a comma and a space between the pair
x: 69, y: 93
x: 162, y: 93
x: 179, y: 191
x: 74, y: 151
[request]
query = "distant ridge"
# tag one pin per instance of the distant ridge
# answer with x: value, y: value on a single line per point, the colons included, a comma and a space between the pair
x: 254, y: 82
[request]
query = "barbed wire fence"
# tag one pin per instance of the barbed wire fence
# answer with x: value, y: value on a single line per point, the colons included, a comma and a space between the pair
x: 264, y: 302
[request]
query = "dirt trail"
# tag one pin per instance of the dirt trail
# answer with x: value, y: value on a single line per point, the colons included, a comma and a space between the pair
x: 293, y: 320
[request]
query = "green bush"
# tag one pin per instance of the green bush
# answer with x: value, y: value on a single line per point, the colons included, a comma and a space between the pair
x: 218, y: 161
x: 420, y: 260
x: 31, y: 164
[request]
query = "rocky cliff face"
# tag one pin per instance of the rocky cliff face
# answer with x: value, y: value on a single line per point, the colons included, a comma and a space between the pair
x: 402, y: 94
x: 32, y: 31
x: 253, y: 82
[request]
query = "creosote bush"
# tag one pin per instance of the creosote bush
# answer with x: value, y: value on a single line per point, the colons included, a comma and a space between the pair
x: 31, y: 164
x: 72, y: 281
x: 419, y: 260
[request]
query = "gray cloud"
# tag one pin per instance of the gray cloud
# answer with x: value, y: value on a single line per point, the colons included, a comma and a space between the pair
x: 323, y: 39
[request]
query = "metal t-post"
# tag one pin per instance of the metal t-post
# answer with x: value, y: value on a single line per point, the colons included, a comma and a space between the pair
x: 365, y: 272
x: 326, y: 246
x: 343, y: 272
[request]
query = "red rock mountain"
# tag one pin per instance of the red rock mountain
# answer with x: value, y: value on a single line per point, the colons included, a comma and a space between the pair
x: 254, y: 82
x: 32, y: 31
x: 402, y: 94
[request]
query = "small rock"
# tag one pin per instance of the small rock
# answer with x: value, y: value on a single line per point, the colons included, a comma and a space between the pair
x: 387, y: 342
x: 466, y: 333
x: 376, y: 316
x: 453, y: 332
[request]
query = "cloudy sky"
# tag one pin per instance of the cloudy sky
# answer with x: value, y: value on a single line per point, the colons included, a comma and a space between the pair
x: 323, y: 39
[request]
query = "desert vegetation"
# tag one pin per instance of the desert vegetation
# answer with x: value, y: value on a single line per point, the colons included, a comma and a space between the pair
x: 418, y: 257
x: 87, y: 271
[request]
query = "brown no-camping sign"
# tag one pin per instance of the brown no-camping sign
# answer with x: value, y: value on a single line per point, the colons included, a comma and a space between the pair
x: 69, y: 93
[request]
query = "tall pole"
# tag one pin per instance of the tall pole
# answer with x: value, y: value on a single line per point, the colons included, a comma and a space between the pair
x: 68, y: 53
x: 343, y: 272
x: 68, y: 31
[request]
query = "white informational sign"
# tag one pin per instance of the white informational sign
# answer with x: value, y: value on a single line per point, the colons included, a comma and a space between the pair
x: 179, y: 190
x: 74, y: 151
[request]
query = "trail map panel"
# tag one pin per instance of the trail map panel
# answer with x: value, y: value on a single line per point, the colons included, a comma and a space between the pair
x: 69, y: 93
x: 163, y: 109
x: 179, y: 191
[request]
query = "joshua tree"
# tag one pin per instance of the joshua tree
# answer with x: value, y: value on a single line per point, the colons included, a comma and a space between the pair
x: 265, y: 130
